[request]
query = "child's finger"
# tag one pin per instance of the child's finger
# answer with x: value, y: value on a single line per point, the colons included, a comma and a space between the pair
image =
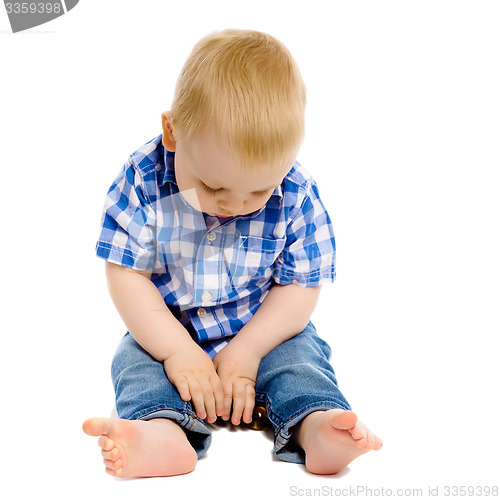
x: 218, y: 396
x: 249, y: 404
x: 239, y: 394
x: 182, y: 386
x: 197, y: 398
x: 227, y: 400
x: 209, y: 401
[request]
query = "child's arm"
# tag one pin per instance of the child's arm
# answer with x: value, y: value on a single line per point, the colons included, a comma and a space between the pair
x: 156, y: 329
x: 284, y: 313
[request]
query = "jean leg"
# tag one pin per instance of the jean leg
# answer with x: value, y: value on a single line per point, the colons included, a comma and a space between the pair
x: 294, y: 380
x: 143, y: 392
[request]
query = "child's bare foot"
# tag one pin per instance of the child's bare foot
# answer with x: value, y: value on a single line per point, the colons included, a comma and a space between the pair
x: 138, y: 448
x: 332, y: 439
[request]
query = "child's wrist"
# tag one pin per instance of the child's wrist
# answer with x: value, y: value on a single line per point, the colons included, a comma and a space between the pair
x: 249, y: 345
x: 180, y: 342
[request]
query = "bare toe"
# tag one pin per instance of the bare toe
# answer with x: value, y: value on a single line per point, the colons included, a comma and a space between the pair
x: 343, y: 419
x: 113, y: 454
x: 115, y: 473
x: 358, y: 431
x: 113, y: 464
x: 105, y: 443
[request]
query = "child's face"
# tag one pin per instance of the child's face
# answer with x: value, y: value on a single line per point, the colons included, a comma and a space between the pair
x: 223, y: 187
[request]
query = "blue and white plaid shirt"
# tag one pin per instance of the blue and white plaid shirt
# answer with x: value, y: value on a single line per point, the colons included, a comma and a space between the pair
x: 214, y: 273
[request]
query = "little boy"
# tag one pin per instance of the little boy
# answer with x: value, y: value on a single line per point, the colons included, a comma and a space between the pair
x: 216, y: 245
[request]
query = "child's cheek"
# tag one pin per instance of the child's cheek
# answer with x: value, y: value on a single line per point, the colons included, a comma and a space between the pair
x: 206, y: 202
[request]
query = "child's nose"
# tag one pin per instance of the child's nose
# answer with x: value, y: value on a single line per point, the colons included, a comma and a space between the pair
x: 232, y: 204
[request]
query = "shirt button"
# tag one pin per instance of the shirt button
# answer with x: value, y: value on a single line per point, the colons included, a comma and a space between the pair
x: 206, y: 296
x: 202, y: 312
x: 211, y: 236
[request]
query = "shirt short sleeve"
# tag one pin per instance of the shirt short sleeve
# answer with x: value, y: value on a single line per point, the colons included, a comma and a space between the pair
x: 128, y: 222
x: 308, y: 258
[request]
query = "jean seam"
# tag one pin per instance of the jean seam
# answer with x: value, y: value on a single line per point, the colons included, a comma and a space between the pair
x: 184, y: 413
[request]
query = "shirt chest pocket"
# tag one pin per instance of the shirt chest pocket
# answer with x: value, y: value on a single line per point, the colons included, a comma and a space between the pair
x: 251, y: 259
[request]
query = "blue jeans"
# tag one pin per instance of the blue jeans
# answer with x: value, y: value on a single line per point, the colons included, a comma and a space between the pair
x: 293, y: 380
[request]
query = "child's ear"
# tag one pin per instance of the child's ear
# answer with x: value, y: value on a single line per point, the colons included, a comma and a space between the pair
x: 168, y: 138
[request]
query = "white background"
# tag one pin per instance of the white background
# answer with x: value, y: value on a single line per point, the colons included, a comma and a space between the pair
x: 403, y: 135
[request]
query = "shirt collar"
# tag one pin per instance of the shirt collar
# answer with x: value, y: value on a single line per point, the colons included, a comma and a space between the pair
x: 169, y: 174
x: 168, y: 161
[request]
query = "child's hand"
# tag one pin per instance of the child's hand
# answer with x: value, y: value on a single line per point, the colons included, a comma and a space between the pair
x: 237, y: 369
x: 192, y: 372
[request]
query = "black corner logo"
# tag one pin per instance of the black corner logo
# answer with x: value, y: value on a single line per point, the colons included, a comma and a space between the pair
x: 26, y: 15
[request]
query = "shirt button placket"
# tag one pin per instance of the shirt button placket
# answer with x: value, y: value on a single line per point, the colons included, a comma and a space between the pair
x: 210, y: 275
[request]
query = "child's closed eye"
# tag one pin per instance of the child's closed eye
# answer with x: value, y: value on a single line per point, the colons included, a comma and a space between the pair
x: 210, y: 190
x: 261, y: 193
x: 214, y: 191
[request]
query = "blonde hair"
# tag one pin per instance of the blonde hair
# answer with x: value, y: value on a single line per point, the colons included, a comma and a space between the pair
x: 247, y: 86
